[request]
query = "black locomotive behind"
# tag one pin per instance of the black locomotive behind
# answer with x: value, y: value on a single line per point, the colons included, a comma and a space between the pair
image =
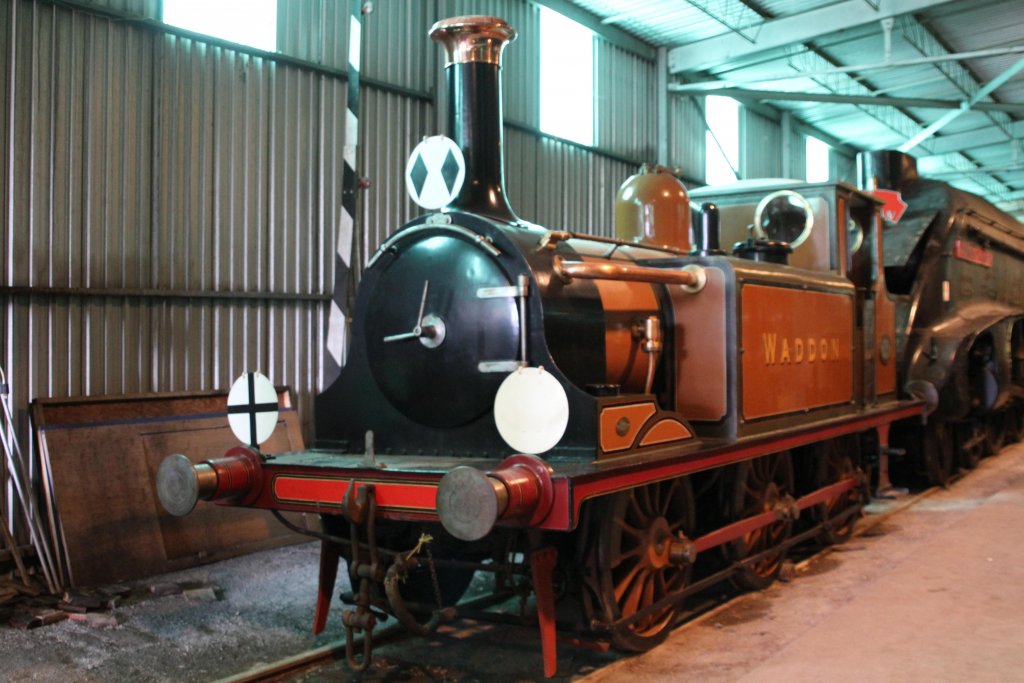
x: 955, y: 267
x: 642, y: 416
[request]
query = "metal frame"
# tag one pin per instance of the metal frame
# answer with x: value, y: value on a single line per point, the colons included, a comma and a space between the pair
x: 786, y: 31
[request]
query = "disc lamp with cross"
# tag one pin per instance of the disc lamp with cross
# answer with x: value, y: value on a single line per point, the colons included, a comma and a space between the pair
x: 252, y: 408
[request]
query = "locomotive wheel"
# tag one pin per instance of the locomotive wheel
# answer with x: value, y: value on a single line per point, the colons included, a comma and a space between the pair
x: 837, y: 462
x: 971, y: 443
x: 937, y: 447
x: 997, y: 426
x: 756, y: 486
x: 627, y: 559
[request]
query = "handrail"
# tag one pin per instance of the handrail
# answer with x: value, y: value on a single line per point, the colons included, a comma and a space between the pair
x: 692, y: 277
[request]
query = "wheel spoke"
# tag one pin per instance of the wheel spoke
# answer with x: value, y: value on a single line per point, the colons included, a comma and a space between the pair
x: 634, y: 507
x: 655, y: 492
x: 642, y: 506
x: 676, y: 579
x: 670, y: 497
x: 648, y: 597
x: 632, y: 593
x: 648, y: 506
x: 660, y: 587
x: 634, y: 552
x: 749, y: 541
x: 623, y: 584
x: 629, y: 529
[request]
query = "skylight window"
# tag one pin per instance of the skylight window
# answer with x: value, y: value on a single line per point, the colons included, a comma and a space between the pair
x: 246, y: 22
x: 721, y: 140
x: 817, y: 160
x: 566, y: 78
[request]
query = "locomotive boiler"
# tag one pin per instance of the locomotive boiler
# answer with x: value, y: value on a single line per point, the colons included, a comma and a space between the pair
x: 641, y: 416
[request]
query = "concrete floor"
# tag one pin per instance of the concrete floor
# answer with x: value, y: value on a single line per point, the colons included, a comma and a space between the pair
x: 933, y: 593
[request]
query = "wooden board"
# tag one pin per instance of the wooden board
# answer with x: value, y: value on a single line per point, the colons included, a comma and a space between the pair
x: 99, y: 458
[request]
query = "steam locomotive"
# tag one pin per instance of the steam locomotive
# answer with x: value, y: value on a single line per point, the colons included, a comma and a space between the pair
x: 953, y: 265
x: 640, y: 416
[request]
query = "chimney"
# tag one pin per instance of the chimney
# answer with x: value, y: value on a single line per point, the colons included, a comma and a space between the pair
x: 885, y: 169
x: 473, y: 47
x: 706, y: 232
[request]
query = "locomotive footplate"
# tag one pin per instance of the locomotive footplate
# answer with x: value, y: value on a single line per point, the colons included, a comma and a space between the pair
x: 318, y: 481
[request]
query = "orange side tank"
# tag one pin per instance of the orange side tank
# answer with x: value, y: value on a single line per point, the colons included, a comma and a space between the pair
x: 652, y: 207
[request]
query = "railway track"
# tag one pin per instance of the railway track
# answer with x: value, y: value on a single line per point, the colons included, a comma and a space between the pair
x: 285, y: 669
x: 288, y: 668
x: 334, y: 653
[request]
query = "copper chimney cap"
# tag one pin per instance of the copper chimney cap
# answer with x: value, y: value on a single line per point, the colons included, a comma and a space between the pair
x: 473, y: 39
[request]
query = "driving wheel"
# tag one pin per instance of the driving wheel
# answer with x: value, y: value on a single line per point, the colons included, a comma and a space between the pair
x: 757, y: 486
x: 838, y: 461
x: 629, y: 563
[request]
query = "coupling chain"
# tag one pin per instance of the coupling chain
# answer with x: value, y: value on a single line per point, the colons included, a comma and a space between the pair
x: 360, y: 510
x: 433, y: 578
x: 359, y: 619
x: 397, y: 573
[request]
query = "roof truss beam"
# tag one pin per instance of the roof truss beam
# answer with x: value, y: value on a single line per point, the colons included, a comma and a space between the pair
x: 893, y: 118
x: 925, y: 42
x: 860, y: 69
x: 795, y: 29
x: 945, y: 119
x: 735, y: 16
x: 782, y: 95
x: 972, y: 139
x: 1016, y: 168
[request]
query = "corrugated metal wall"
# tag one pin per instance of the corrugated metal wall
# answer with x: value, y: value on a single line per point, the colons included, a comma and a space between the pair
x: 392, y: 125
x: 140, y: 8
x: 626, y: 96
x: 561, y: 185
x: 396, y: 49
x: 315, y: 31
x: 843, y: 167
x: 798, y: 155
x: 760, y: 145
x: 686, y: 135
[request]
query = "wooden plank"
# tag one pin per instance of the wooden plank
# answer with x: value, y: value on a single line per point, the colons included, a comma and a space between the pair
x: 101, y: 456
